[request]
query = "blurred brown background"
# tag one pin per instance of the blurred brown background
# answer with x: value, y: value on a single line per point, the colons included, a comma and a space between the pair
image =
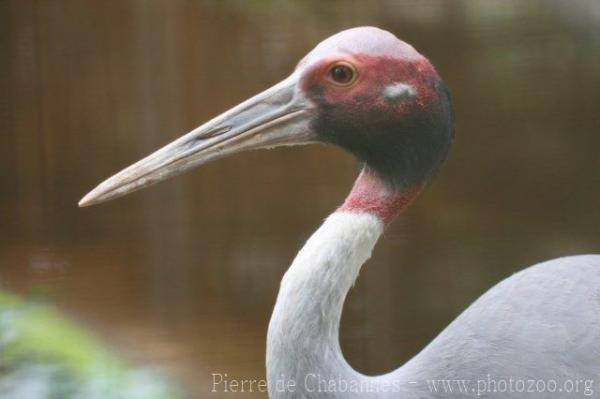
x: 184, y: 275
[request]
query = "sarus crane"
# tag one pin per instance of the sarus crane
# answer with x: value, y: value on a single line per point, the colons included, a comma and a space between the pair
x: 375, y: 96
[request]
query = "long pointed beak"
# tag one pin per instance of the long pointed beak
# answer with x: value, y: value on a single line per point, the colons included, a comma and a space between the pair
x: 278, y: 116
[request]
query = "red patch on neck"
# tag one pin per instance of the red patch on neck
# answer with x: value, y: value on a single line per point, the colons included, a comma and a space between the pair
x: 371, y: 195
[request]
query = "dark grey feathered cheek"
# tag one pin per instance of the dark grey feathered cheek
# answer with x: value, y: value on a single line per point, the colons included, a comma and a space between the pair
x: 404, y: 148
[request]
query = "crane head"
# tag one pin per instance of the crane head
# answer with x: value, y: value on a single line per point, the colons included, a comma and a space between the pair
x: 362, y: 89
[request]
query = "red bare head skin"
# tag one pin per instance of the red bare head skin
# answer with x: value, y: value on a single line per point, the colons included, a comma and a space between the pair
x: 367, y: 93
x: 379, y: 98
x: 380, y: 60
x: 364, y: 100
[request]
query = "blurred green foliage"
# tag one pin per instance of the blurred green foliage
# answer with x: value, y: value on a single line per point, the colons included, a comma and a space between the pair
x: 45, y: 356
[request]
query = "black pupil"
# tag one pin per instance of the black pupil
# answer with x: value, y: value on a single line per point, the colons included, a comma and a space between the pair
x: 341, y: 74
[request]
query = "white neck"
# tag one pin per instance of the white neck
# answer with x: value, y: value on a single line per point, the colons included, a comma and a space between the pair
x: 303, y: 338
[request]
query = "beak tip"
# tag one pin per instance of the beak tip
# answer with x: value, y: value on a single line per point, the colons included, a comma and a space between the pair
x: 91, y: 198
x: 85, y: 202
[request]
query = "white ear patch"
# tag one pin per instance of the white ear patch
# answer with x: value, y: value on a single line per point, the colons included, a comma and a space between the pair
x: 399, y: 91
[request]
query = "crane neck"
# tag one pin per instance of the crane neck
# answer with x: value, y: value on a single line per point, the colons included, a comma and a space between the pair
x: 372, y: 195
x: 303, y: 346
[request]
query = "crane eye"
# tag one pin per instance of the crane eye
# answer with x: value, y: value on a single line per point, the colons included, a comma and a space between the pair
x: 343, y: 74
